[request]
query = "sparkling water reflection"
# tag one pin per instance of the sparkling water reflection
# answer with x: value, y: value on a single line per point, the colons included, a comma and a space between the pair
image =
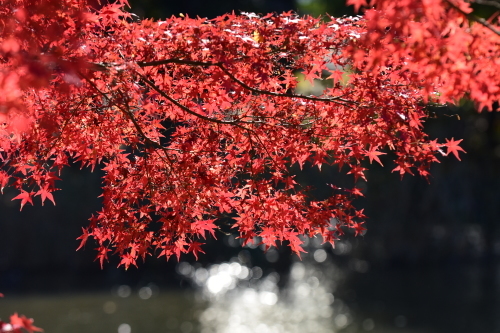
x: 240, y: 299
x: 395, y: 301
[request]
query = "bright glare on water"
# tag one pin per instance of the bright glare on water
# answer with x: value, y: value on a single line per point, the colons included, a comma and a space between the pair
x: 228, y: 297
x: 240, y: 299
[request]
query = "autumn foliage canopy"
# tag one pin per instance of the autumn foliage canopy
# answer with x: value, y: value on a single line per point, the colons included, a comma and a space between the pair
x: 196, y: 123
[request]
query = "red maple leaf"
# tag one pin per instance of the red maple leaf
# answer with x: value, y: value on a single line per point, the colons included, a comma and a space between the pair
x: 357, y: 171
x: 358, y: 228
x: 295, y: 242
x: 336, y: 75
x: 268, y: 236
x: 24, y: 197
x: 356, y: 191
x: 4, y: 180
x: 373, y: 154
x: 200, y: 227
x: 179, y: 247
x: 103, y: 255
x: 127, y: 260
x: 23, y: 322
x: 45, y: 193
x: 83, y: 237
x: 357, y: 4
x: 195, y: 248
x: 453, y: 147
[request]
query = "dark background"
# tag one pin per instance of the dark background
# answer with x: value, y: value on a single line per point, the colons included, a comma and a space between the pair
x: 430, y: 254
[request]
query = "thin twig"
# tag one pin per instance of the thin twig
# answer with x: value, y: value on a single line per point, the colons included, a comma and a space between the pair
x: 175, y: 61
x: 166, y: 158
x: 338, y: 100
x: 474, y: 18
x: 185, y: 108
x: 127, y: 113
x: 487, y: 3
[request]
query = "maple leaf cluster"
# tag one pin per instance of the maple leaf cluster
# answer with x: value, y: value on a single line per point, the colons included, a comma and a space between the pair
x: 197, y: 122
x: 448, y: 50
x: 18, y: 324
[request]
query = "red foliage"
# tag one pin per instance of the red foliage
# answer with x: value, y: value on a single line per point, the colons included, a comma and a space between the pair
x: 196, y: 121
x: 445, y: 48
x: 18, y: 324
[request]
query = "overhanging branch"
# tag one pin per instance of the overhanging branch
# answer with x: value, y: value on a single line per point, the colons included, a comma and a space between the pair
x: 185, y: 108
x: 474, y: 18
x: 337, y: 100
x: 487, y: 3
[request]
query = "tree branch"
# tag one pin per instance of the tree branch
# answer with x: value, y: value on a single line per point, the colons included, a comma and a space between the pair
x: 474, y: 18
x: 338, y: 100
x: 138, y: 128
x: 175, y: 61
x: 185, y: 108
x: 142, y: 64
x: 128, y: 114
x: 487, y: 3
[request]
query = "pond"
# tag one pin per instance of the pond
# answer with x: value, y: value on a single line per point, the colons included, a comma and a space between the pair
x: 315, y: 296
x: 225, y: 298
